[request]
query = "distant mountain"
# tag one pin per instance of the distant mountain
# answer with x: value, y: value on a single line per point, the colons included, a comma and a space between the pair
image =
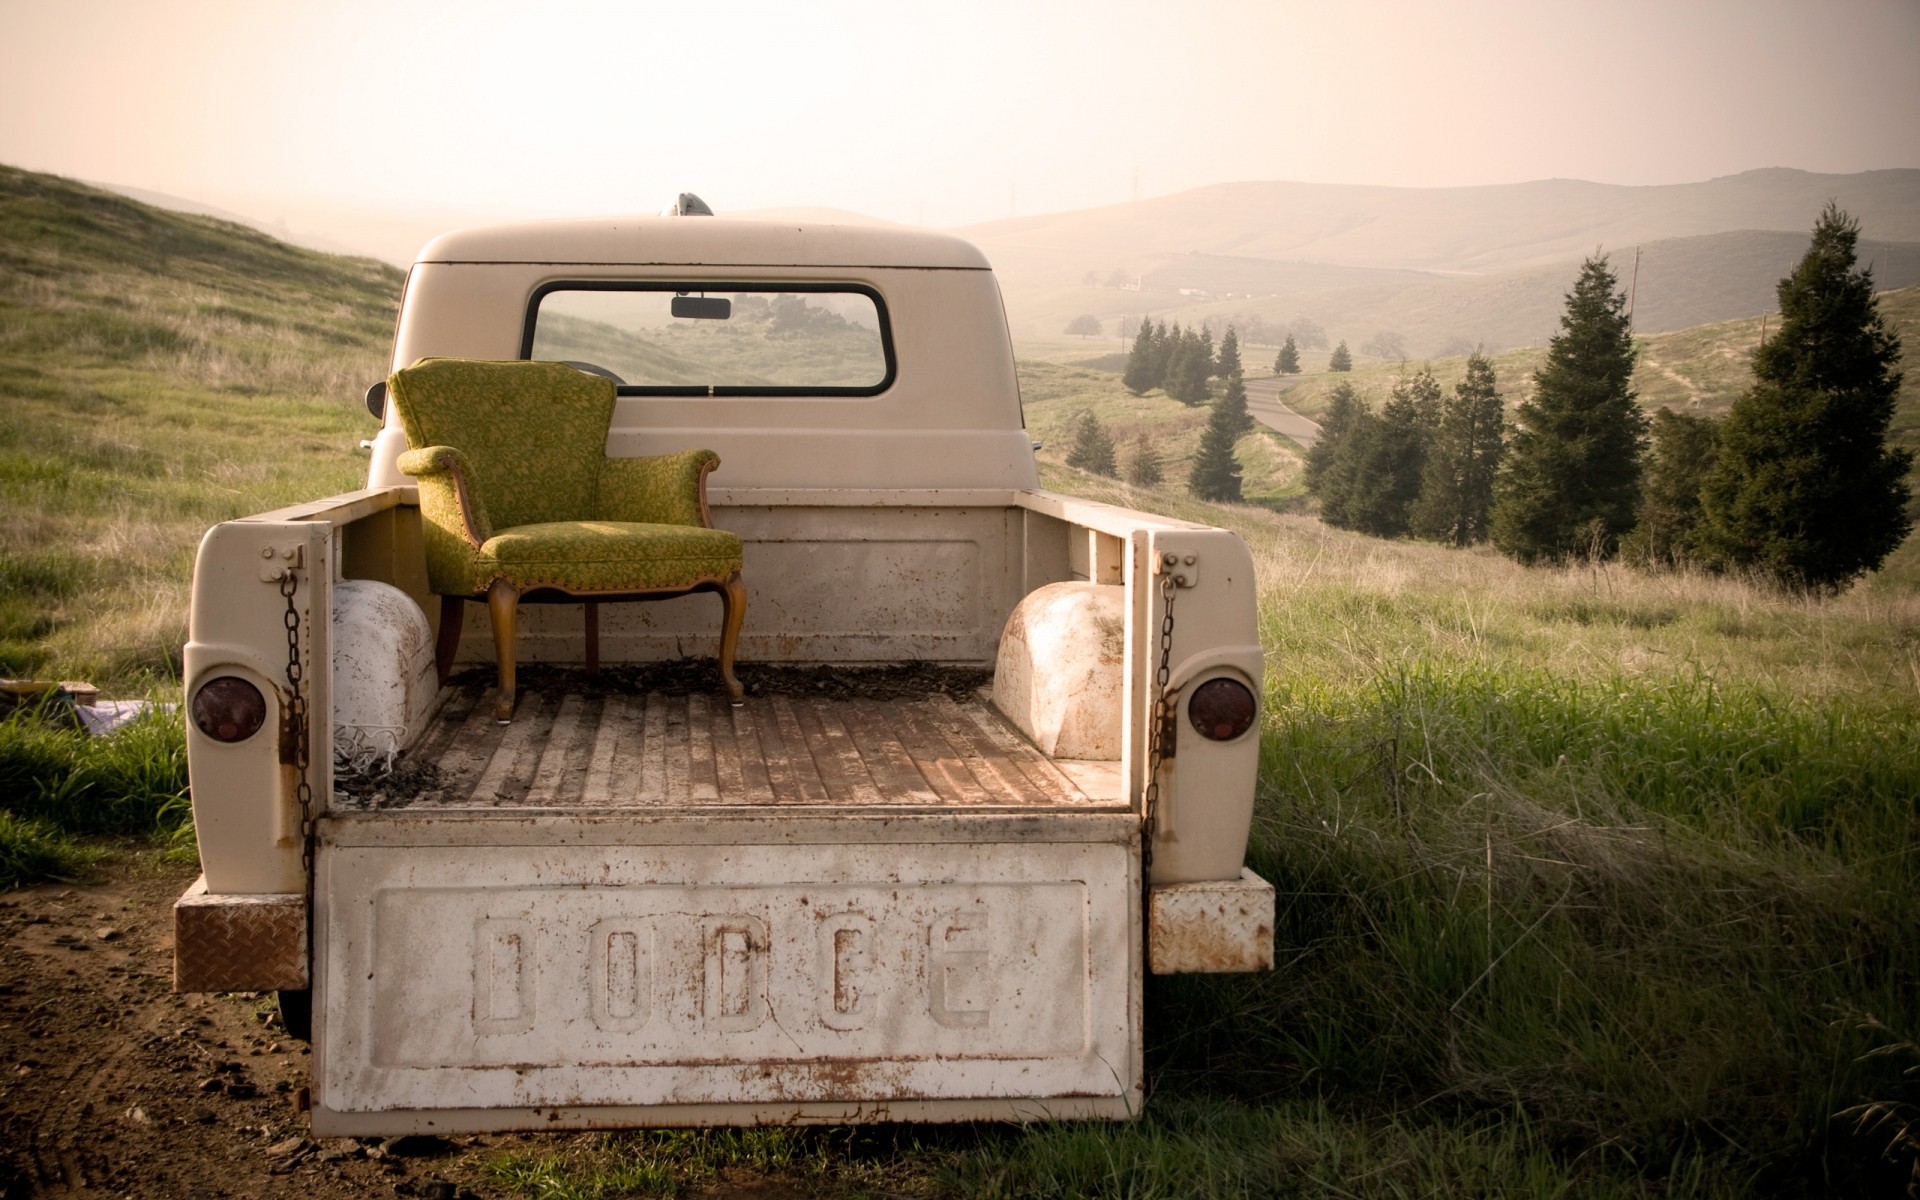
x: 1440, y: 265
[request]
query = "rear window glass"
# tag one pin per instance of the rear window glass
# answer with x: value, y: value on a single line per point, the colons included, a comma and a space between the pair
x: 725, y: 340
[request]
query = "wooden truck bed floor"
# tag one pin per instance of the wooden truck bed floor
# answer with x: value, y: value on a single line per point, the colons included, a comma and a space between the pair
x: 580, y: 750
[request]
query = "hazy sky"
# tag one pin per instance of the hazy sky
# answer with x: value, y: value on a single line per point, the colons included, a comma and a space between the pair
x: 377, y: 122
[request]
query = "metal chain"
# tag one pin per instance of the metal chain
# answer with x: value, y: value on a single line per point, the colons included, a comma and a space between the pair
x: 1163, y: 704
x: 297, y: 723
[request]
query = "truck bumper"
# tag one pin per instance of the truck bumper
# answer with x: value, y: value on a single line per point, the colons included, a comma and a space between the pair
x: 1210, y: 927
x: 225, y: 943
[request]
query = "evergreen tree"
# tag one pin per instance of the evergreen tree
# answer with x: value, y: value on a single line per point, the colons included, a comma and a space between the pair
x: 1341, y: 360
x: 1092, y: 447
x: 1191, y: 367
x: 1572, y: 480
x: 1180, y: 347
x: 1681, y: 456
x: 1206, y: 354
x: 1216, y: 472
x: 1805, y: 487
x: 1392, y: 461
x: 1162, y: 353
x: 1227, y: 363
x: 1139, y: 376
x: 1143, y: 463
x: 1333, y: 464
x: 1456, y: 490
x: 1288, y: 363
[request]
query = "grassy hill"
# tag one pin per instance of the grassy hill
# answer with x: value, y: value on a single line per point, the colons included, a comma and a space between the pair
x: 1469, y: 229
x: 1590, y: 882
x: 1053, y: 396
x: 1682, y: 282
x: 1481, y: 265
x: 159, y: 372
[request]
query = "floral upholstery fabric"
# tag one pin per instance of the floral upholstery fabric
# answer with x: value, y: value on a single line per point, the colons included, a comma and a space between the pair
x: 661, y: 490
x: 533, y: 433
x: 529, y: 495
x: 609, y: 556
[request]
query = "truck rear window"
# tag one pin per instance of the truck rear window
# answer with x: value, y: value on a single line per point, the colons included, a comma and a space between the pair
x: 734, y: 339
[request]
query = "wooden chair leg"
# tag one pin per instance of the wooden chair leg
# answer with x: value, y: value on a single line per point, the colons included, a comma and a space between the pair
x: 452, y: 610
x: 593, y: 637
x: 733, y: 604
x: 503, y: 601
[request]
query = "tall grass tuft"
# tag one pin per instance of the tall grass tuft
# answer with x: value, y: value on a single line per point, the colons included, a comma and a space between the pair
x: 58, y: 781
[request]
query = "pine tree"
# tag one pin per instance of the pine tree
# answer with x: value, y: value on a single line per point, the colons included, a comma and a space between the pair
x: 1227, y: 363
x: 1207, y: 353
x: 1162, y: 353
x: 1191, y: 367
x: 1346, y: 430
x: 1092, y: 447
x: 1805, y: 487
x: 1179, y: 354
x: 1391, y: 465
x: 1456, y: 491
x: 1571, y: 485
x: 1341, y: 360
x: 1682, y: 454
x: 1216, y: 472
x: 1288, y: 363
x: 1139, y: 376
x: 1143, y: 463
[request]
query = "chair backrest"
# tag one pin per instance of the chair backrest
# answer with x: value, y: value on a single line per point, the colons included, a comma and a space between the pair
x: 534, y: 433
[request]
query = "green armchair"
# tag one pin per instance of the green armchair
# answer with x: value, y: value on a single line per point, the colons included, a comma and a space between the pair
x: 519, y: 501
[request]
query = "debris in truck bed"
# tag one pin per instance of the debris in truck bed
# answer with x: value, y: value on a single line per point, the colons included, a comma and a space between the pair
x: 686, y: 676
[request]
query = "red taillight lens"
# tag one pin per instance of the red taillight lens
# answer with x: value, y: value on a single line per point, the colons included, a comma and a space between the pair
x: 228, y: 709
x: 1222, y: 709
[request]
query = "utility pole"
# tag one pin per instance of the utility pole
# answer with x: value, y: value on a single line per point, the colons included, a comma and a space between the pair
x: 1633, y: 289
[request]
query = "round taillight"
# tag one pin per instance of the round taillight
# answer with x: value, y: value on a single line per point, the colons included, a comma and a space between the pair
x: 1222, y: 709
x: 228, y: 709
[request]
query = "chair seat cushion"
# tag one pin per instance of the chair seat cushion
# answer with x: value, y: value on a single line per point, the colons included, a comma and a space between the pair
x: 608, y: 556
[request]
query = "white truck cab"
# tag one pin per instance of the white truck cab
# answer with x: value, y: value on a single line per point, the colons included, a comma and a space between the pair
x: 638, y: 905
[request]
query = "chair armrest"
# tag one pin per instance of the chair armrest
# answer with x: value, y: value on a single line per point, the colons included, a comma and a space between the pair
x: 447, y: 498
x: 664, y: 489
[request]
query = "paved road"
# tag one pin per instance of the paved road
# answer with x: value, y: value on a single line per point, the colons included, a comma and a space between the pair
x: 1263, y: 401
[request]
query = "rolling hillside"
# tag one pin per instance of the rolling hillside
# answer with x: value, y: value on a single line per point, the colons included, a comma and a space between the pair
x: 1483, y: 265
x: 159, y: 372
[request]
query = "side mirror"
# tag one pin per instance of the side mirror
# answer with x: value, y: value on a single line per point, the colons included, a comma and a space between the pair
x: 377, y: 400
x: 703, y: 308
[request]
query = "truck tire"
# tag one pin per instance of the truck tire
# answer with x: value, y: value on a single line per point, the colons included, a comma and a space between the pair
x: 296, y: 1013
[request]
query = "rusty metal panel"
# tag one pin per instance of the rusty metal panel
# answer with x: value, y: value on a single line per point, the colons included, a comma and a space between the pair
x: 740, y: 981
x: 1212, y: 926
x: 254, y: 943
x: 328, y: 1123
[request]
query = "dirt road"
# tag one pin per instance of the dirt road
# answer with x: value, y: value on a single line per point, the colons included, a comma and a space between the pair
x: 1264, y: 402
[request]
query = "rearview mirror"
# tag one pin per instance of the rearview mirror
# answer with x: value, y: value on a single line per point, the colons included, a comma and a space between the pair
x: 703, y: 308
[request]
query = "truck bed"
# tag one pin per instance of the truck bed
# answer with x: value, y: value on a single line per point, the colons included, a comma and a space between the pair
x: 586, y: 749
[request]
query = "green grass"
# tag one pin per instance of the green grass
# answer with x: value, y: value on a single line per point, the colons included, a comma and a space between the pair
x: 160, y: 373
x: 57, y: 782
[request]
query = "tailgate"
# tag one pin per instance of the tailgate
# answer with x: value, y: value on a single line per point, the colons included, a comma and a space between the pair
x: 727, y: 970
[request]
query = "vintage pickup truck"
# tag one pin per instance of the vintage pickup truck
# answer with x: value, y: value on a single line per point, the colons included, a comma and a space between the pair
x: 639, y: 905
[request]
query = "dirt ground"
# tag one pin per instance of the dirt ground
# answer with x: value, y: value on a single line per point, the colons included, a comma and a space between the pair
x: 113, y: 1085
